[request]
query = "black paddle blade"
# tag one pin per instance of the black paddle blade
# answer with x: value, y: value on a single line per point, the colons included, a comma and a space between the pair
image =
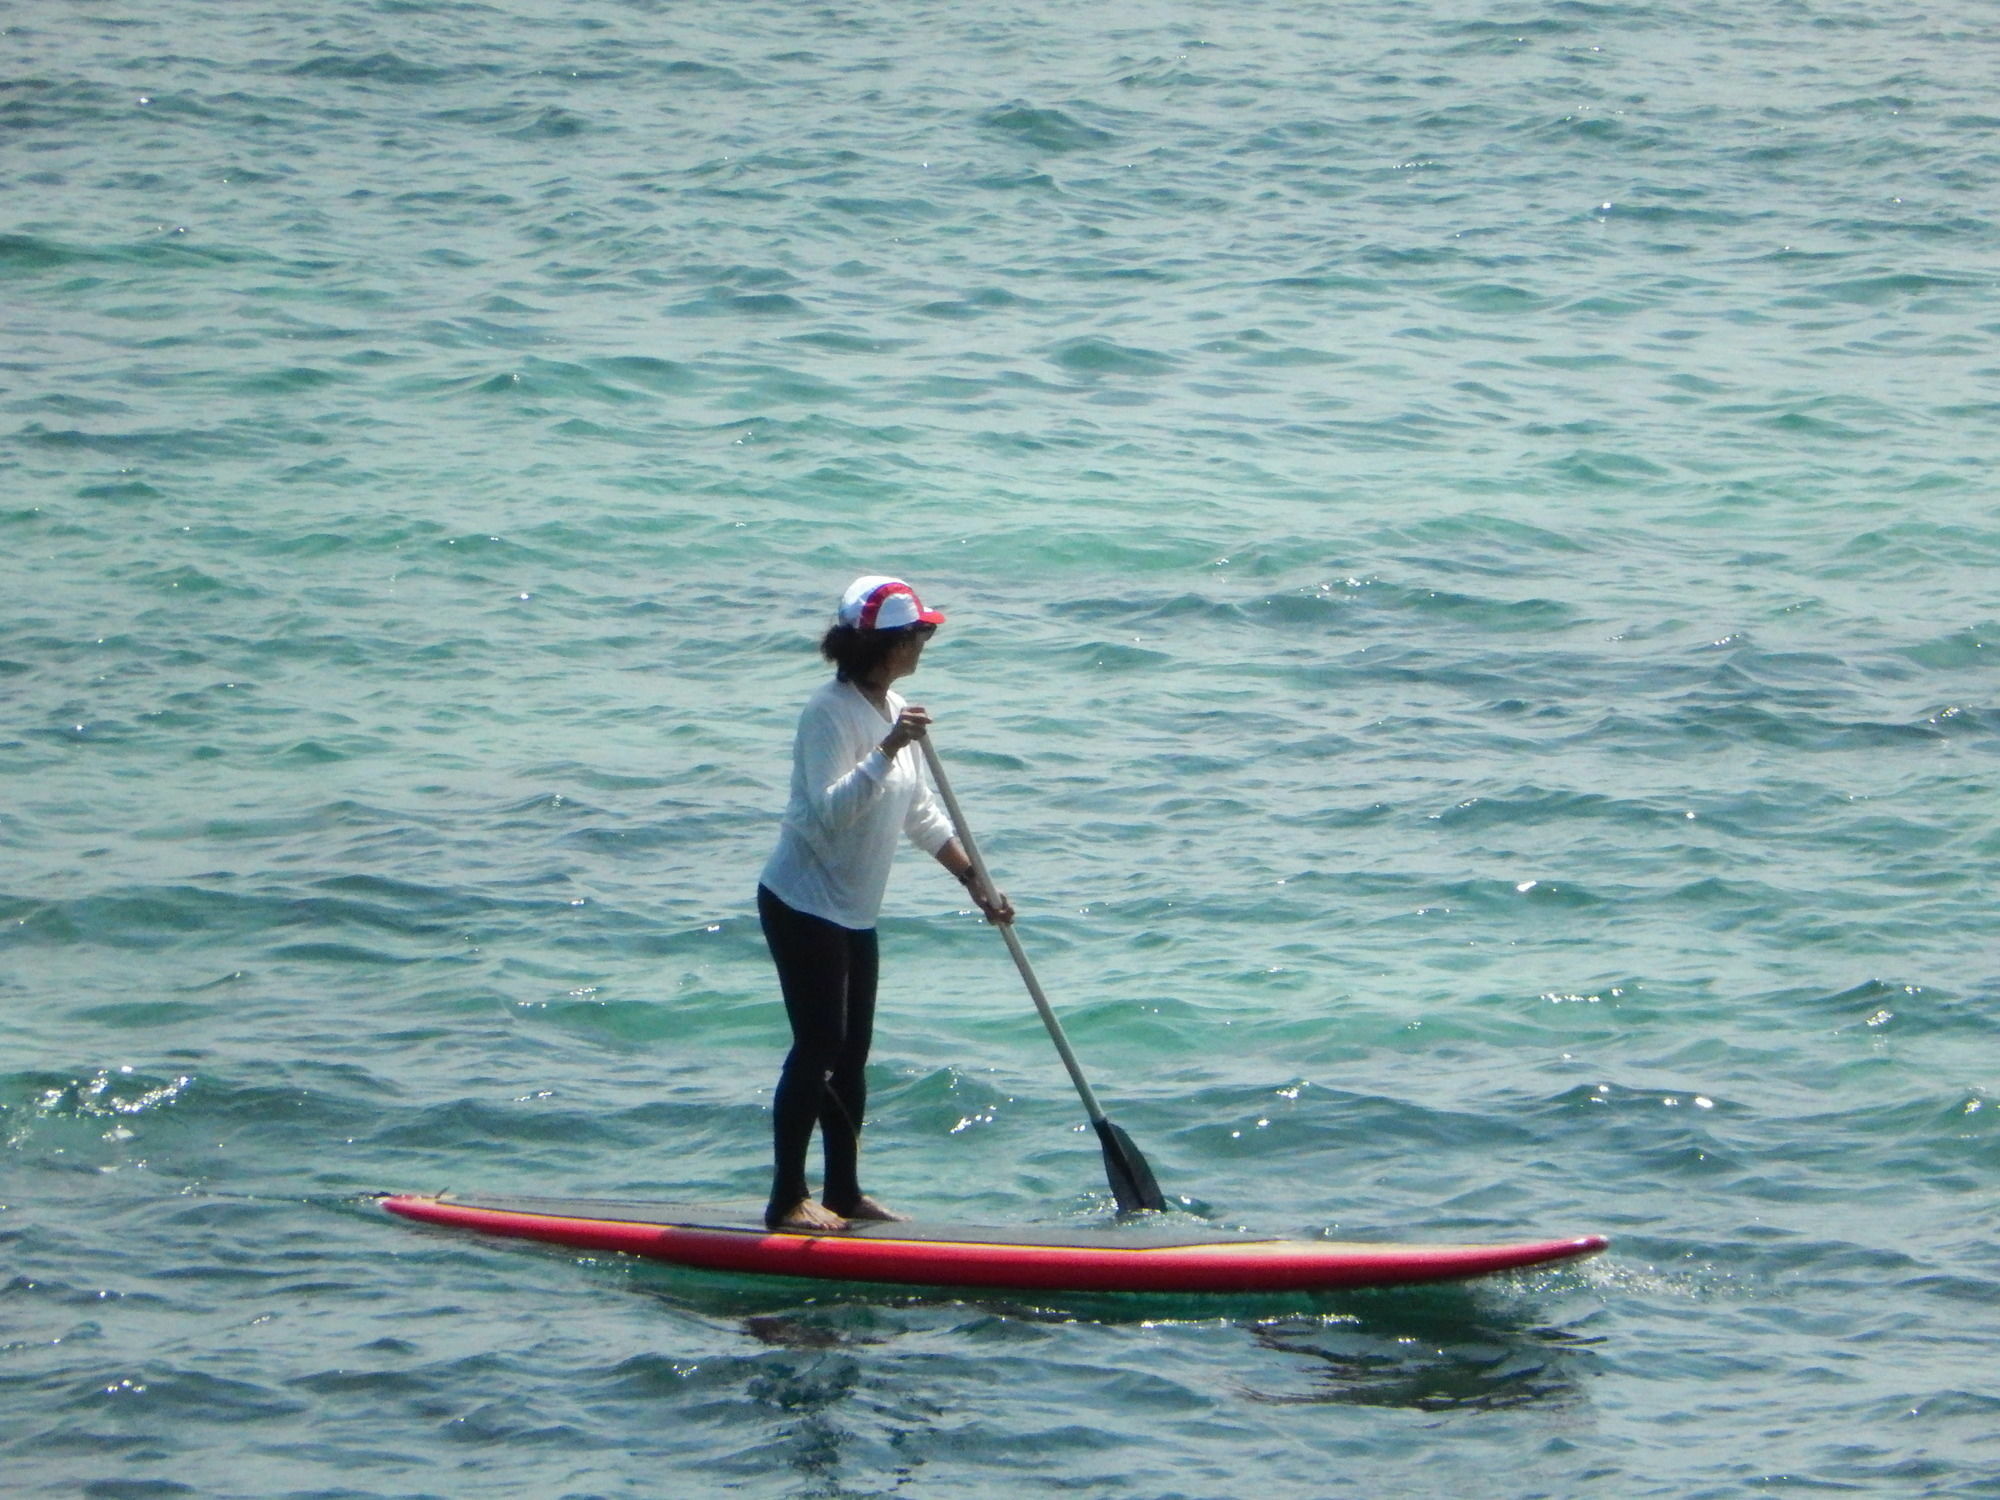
x: 1131, y: 1179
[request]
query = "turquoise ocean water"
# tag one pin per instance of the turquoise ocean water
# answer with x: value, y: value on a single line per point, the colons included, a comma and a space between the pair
x: 1470, y: 543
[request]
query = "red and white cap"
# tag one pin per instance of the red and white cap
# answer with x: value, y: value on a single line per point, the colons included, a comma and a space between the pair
x: 880, y: 603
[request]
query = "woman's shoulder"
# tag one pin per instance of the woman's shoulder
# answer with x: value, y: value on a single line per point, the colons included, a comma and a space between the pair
x: 832, y: 699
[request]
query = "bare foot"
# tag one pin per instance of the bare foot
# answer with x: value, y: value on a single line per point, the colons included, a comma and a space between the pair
x: 866, y: 1207
x: 806, y: 1214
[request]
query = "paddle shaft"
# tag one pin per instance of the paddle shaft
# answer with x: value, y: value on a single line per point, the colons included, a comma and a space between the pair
x: 1034, y: 985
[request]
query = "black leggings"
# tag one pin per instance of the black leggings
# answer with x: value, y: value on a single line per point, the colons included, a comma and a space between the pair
x: 827, y: 973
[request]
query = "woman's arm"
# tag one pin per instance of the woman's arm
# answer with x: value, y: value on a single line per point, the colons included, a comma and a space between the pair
x: 929, y: 827
x: 995, y: 904
x: 839, y: 783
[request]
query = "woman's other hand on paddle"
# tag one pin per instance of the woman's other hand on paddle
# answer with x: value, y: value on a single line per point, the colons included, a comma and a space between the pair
x: 999, y: 910
x: 909, y: 727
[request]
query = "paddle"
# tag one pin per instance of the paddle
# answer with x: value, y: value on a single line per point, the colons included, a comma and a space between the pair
x: 1131, y: 1179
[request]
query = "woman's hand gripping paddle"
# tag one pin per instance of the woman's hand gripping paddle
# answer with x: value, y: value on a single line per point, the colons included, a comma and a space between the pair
x: 1131, y: 1179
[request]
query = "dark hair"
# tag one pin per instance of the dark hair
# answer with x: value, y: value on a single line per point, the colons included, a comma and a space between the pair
x: 856, y: 653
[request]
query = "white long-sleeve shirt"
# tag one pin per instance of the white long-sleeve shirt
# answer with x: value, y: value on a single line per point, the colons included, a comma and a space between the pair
x: 850, y: 805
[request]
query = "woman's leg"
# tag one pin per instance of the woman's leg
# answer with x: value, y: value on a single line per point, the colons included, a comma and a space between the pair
x: 847, y: 1090
x: 845, y: 1102
x: 813, y: 958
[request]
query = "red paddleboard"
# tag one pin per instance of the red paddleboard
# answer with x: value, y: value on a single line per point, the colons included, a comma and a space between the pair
x: 1152, y: 1256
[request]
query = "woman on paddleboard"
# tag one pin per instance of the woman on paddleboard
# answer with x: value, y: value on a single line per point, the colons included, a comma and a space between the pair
x: 858, y: 788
